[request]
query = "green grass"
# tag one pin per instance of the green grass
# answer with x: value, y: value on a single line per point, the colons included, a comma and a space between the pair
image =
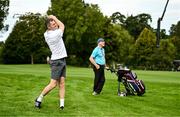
x: 21, y: 84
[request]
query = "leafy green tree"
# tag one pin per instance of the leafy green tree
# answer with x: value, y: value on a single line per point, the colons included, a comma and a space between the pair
x: 136, y: 24
x: 176, y: 41
x: 1, y: 49
x: 118, y: 44
x: 118, y: 18
x: 163, y: 34
x: 84, y: 24
x: 95, y: 23
x: 26, y: 41
x: 175, y: 29
x: 4, y: 7
x: 145, y: 55
x: 175, y: 34
x: 163, y: 56
x: 172, y: 30
x: 144, y: 48
x: 34, y: 33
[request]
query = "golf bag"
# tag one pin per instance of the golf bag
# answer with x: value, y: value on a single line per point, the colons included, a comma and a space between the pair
x: 132, y: 85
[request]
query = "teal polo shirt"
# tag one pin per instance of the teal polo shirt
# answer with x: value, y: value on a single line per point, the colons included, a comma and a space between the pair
x: 99, y: 55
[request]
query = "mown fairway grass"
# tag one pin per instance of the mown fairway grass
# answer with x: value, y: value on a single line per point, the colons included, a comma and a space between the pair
x: 21, y: 84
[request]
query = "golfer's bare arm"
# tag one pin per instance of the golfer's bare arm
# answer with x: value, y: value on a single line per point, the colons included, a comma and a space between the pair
x: 59, y: 23
x: 91, y: 59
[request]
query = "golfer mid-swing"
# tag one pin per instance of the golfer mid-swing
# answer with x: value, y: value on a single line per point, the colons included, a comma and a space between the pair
x: 53, y: 37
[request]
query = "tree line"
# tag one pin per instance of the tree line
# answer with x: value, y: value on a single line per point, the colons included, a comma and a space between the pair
x: 130, y: 40
x: 4, y: 7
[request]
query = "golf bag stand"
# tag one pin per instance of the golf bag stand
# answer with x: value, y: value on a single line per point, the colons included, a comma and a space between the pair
x: 119, y: 91
x: 122, y: 79
x: 132, y: 85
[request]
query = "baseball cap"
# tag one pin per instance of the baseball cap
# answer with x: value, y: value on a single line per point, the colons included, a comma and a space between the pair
x: 100, y: 40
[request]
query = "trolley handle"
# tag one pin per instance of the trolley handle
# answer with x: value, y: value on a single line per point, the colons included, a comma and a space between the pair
x: 112, y: 70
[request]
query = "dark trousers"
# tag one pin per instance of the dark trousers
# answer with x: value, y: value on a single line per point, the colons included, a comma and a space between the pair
x: 99, y: 79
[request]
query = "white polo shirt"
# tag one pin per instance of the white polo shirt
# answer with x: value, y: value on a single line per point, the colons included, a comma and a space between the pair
x: 56, y: 44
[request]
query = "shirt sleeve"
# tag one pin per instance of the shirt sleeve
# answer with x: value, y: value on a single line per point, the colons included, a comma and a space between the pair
x: 94, y: 53
x: 60, y: 32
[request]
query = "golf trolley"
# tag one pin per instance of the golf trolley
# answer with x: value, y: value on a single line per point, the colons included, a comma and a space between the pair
x: 132, y: 85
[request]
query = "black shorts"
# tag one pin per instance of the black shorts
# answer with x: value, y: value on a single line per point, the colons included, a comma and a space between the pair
x: 58, y: 68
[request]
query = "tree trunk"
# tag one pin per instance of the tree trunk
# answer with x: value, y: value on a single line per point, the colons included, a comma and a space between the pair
x: 32, y: 59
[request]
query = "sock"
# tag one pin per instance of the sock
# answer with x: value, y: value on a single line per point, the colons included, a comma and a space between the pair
x: 40, y: 98
x: 61, y: 102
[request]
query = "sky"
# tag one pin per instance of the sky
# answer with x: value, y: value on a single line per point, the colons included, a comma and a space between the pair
x: 108, y: 7
x: 21, y: 7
